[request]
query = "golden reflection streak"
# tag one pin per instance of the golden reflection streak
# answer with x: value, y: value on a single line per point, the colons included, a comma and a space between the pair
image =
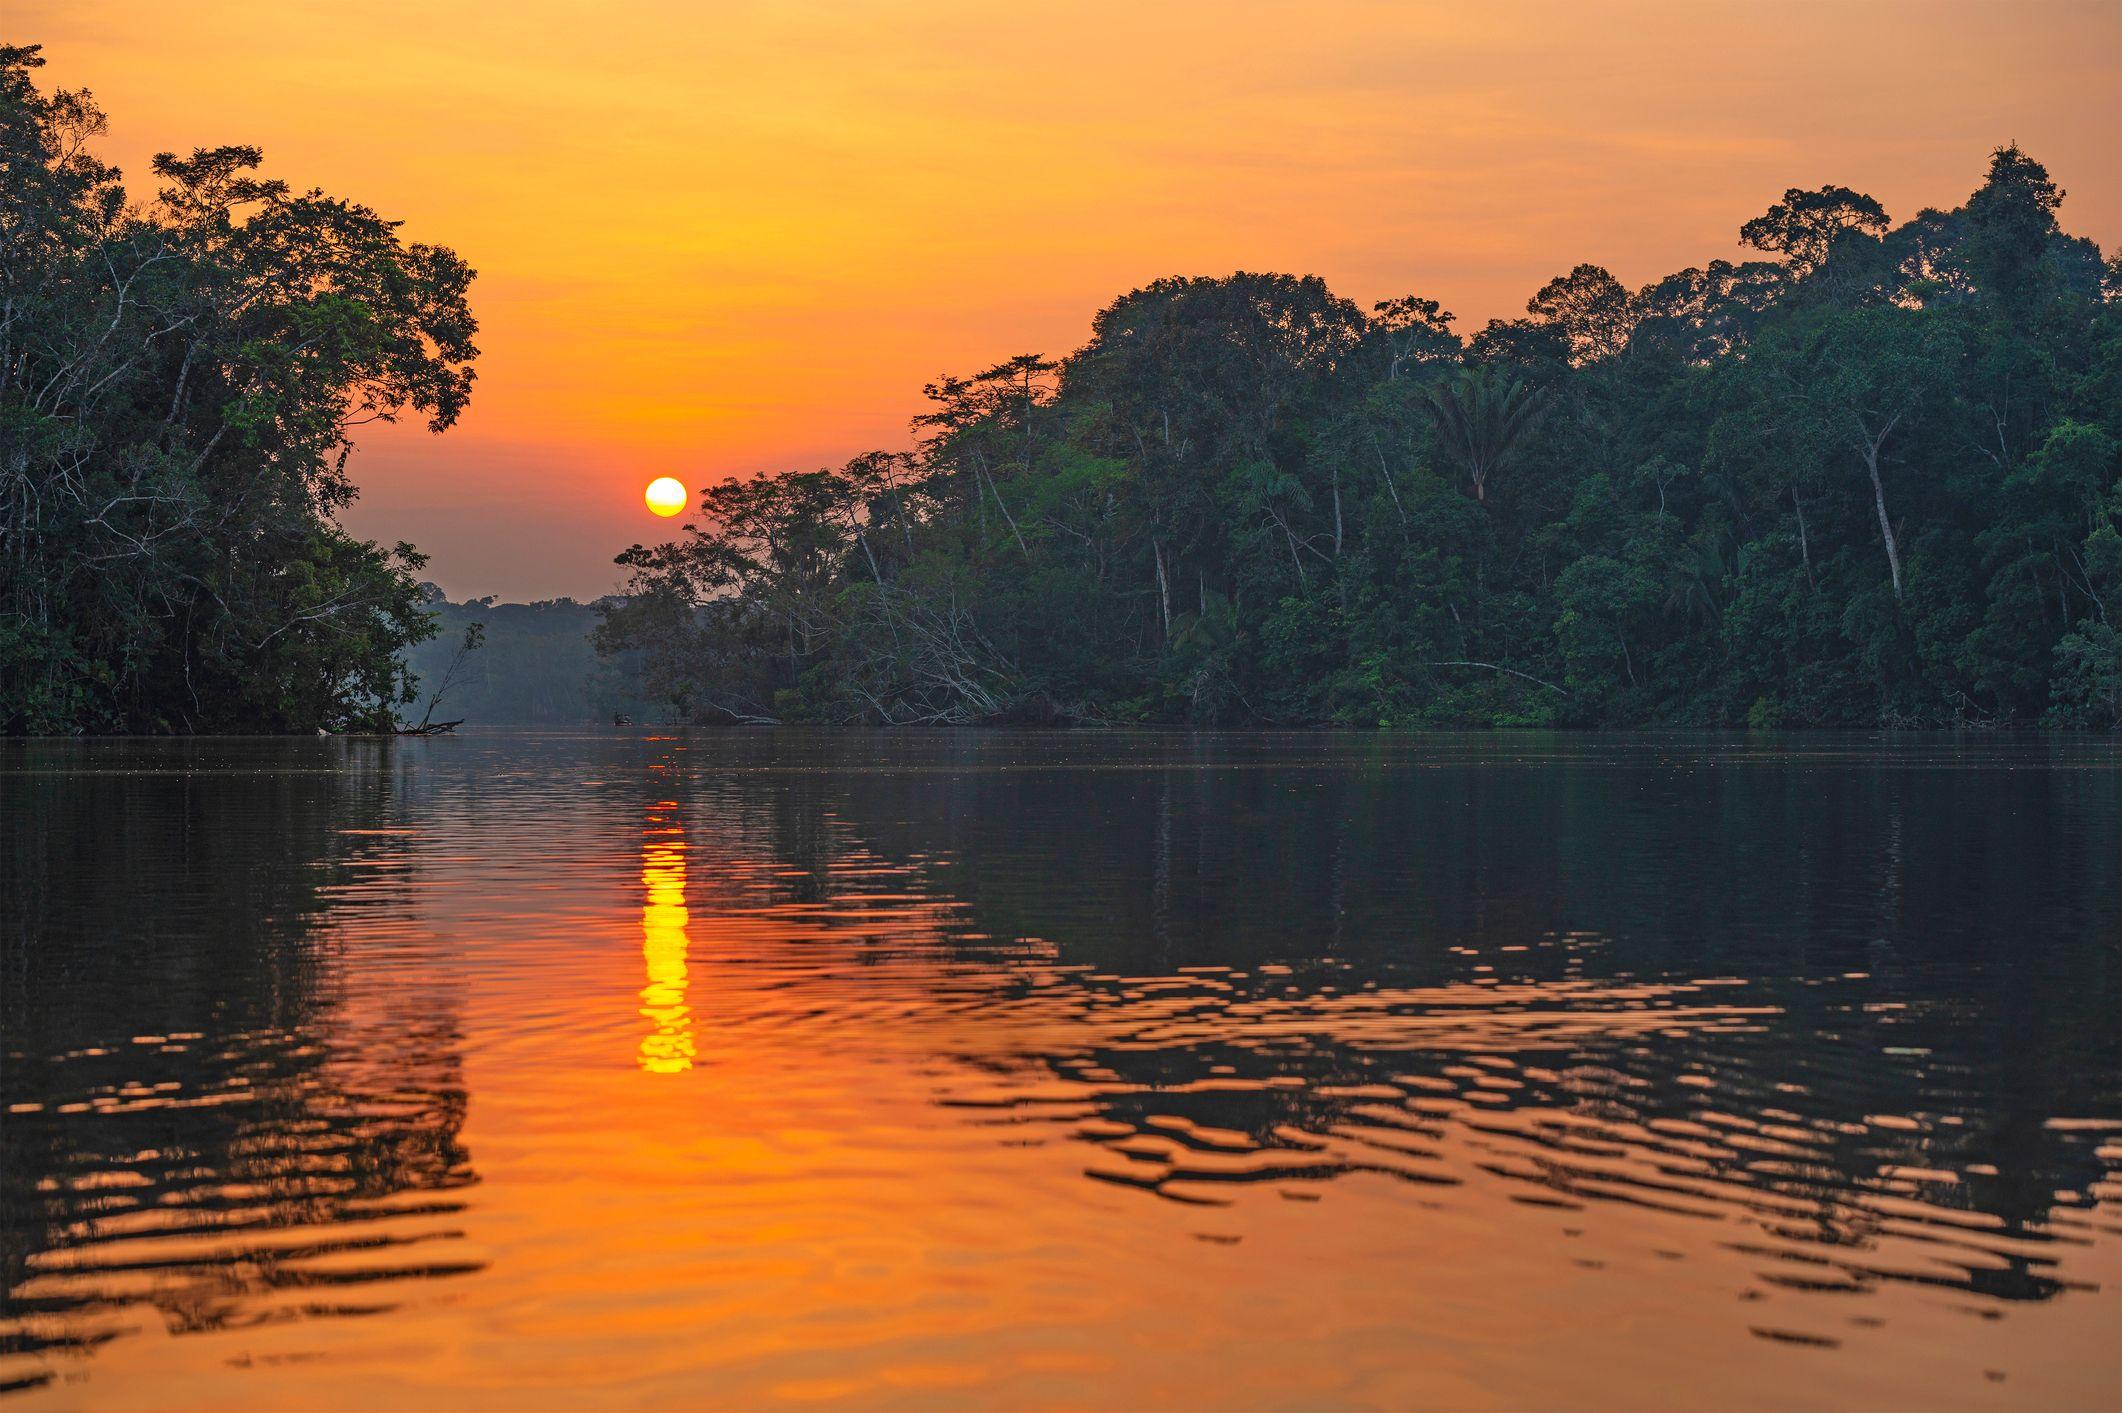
x: 668, y: 1046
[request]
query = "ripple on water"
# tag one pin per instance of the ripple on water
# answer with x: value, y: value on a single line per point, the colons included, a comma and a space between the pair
x: 1022, y: 1070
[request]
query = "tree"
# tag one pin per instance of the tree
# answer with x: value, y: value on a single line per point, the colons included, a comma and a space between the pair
x: 1483, y: 421
x: 1852, y: 382
x: 1590, y: 309
x: 2011, y: 226
x: 1805, y: 226
x: 180, y: 383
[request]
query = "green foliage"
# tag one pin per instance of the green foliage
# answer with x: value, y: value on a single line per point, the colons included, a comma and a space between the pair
x: 2088, y: 682
x: 1874, y: 480
x: 179, y: 381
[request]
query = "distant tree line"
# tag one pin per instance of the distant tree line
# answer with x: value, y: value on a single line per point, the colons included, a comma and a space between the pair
x: 180, y: 378
x: 1869, y: 478
x: 527, y: 664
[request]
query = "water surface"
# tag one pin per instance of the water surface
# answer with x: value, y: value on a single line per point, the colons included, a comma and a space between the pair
x: 960, y: 1069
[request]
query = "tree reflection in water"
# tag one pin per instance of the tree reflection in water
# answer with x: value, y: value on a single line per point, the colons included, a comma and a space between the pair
x: 1854, y: 1011
x: 204, y: 1113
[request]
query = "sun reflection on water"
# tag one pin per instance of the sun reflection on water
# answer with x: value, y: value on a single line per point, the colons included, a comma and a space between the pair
x: 1038, y: 1076
x: 668, y: 1046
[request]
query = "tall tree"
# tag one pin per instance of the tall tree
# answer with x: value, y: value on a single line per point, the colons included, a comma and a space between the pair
x: 180, y: 383
x: 1805, y: 226
x: 1484, y: 421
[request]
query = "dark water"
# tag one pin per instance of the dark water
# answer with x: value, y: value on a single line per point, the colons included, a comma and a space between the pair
x: 991, y: 1069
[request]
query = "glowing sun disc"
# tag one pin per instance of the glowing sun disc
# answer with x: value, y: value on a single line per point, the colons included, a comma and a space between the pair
x: 665, y: 495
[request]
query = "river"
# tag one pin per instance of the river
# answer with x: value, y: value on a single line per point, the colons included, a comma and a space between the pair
x: 934, y: 1070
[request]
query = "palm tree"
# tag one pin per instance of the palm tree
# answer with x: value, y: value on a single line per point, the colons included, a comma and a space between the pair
x: 1483, y: 422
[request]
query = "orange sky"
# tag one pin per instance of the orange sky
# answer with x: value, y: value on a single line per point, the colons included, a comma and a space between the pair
x: 731, y: 237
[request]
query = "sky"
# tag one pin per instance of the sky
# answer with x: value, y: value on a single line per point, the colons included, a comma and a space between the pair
x: 721, y: 239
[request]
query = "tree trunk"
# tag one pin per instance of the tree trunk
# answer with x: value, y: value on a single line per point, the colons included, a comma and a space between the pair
x: 1805, y: 551
x: 1886, y: 525
x: 996, y: 491
x: 1386, y: 472
x: 863, y: 540
x: 1164, y: 590
x: 1337, y: 510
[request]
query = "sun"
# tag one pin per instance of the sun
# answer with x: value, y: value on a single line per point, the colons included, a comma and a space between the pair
x: 665, y: 495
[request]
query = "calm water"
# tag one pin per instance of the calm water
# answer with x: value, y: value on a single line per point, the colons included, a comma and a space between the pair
x: 990, y: 1069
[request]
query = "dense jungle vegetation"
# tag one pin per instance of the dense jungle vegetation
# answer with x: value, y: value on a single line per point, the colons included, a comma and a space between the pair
x: 1868, y: 478
x: 180, y: 379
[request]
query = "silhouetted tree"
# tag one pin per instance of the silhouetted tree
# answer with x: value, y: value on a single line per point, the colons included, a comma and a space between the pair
x: 180, y: 380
